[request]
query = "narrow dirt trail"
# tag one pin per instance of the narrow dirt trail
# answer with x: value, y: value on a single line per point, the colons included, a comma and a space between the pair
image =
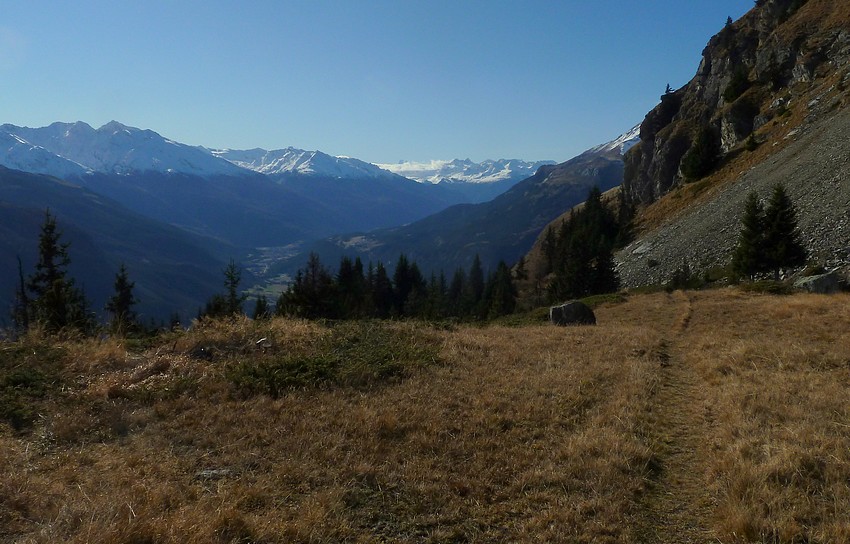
x: 677, y: 508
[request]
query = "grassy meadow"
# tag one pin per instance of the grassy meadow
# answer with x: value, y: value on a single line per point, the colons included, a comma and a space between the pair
x: 713, y: 416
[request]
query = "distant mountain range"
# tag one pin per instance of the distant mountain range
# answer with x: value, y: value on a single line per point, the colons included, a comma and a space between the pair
x: 480, y: 182
x: 226, y: 203
x: 501, y: 229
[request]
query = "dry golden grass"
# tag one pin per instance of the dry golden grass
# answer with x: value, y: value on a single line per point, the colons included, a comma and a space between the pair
x: 730, y: 405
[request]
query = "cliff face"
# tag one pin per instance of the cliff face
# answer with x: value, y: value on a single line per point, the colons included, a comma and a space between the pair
x: 751, y: 73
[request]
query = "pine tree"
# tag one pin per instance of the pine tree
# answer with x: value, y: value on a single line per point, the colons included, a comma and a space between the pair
x: 783, y: 248
x: 401, y: 283
x: 351, y: 287
x: 748, y: 258
x: 605, y: 278
x: 120, y: 305
x: 56, y: 303
x: 584, y: 263
x: 475, y: 284
x: 457, y: 288
x: 549, y: 247
x: 312, y: 295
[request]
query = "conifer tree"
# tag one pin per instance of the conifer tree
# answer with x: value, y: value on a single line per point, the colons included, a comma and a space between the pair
x: 401, y: 283
x: 783, y: 248
x: 605, y: 278
x: 120, y: 305
x: 702, y: 157
x: 232, y: 278
x: 312, y: 294
x: 584, y: 263
x: 475, y: 283
x: 748, y: 258
x: 351, y: 287
x: 56, y: 303
x: 549, y: 247
x: 501, y: 299
x: 382, y: 292
x: 457, y: 288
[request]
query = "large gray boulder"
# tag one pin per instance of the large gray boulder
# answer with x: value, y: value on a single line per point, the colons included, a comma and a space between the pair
x: 822, y: 283
x: 573, y: 312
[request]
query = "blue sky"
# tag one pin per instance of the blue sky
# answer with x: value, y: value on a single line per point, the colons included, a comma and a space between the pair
x: 382, y: 81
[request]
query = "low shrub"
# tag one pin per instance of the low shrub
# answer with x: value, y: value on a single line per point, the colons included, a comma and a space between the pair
x: 351, y: 353
x: 27, y: 374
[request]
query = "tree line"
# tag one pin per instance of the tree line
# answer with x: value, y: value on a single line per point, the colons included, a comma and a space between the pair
x: 356, y: 292
x: 578, y: 258
x: 579, y: 255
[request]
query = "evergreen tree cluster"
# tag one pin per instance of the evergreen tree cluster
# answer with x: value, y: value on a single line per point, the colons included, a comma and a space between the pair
x: 50, y: 298
x: 769, y: 239
x: 580, y: 254
x: 355, y: 293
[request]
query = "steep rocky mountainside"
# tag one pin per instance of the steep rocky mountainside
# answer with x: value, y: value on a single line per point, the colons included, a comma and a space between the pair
x: 754, y: 71
x: 814, y: 169
x: 770, y: 97
x: 771, y: 93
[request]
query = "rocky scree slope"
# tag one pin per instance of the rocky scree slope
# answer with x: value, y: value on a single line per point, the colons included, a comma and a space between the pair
x: 813, y: 169
x: 792, y: 67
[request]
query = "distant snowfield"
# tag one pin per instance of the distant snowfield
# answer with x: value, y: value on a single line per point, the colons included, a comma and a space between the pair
x: 465, y: 171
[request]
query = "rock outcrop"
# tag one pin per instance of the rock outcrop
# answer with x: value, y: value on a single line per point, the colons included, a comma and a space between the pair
x: 749, y: 72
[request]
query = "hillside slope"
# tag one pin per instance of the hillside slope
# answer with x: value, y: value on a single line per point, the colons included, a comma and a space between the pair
x: 174, y: 271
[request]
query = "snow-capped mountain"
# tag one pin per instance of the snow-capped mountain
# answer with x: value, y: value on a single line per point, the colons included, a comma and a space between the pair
x: 299, y: 161
x: 112, y: 149
x: 19, y: 154
x: 621, y: 144
x: 466, y: 171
